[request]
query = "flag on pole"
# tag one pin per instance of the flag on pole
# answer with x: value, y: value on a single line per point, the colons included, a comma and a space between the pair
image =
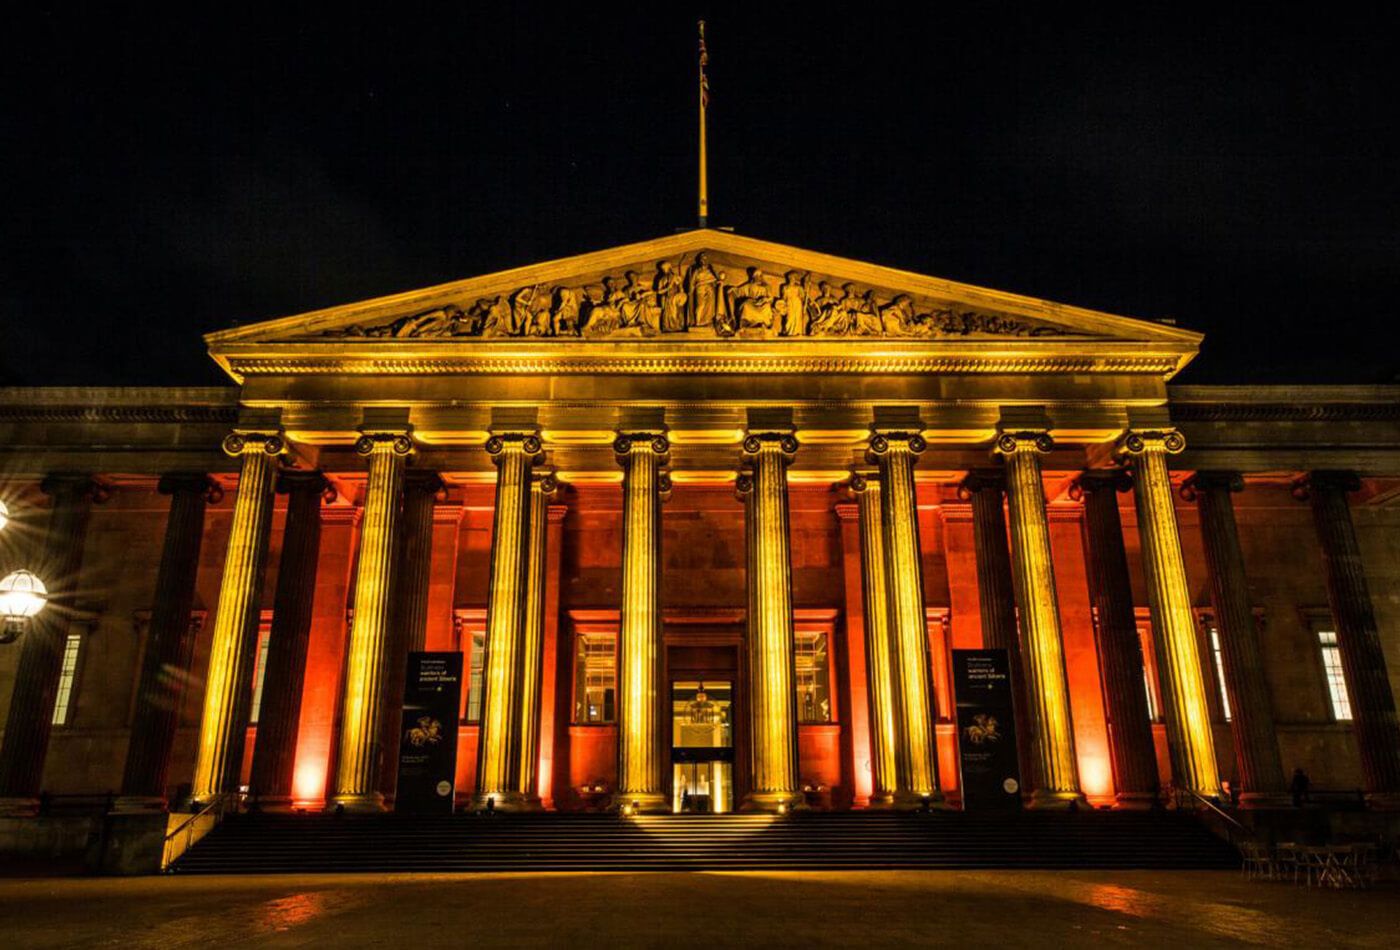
x: 704, y: 61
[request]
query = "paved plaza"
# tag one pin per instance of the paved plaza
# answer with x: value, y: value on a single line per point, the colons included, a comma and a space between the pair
x: 673, y: 911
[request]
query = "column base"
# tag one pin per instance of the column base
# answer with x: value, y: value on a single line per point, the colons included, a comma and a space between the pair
x: 139, y: 805
x: 358, y: 803
x: 1265, y: 800
x: 881, y: 801
x: 19, y: 807
x: 641, y: 803
x: 777, y: 803
x: 1135, y: 801
x: 506, y: 802
x: 1048, y: 800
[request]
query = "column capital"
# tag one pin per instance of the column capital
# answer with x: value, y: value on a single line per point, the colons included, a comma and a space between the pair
x: 545, y: 482
x: 527, y: 443
x: 1211, y: 481
x: 425, y: 481
x: 398, y: 442
x: 882, y: 442
x: 192, y: 483
x: 980, y: 480
x: 860, y: 481
x: 1138, y: 442
x: 627, y: 441
x: 1011, y: 442
x: 1113, y: 480
x: 241, y: 442
x: 756, y: 440
x: 298, y: 481
x: 1326, y: 480
x: 75, y: 486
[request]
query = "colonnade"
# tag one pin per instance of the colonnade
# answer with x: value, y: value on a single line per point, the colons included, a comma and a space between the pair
x: 1018, y: 604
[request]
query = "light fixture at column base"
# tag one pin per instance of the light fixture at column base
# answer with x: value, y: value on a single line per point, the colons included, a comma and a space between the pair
x: 641, y: 803
x: 512, y: 802
x: 1047, y: 800
x: 776, y: 803
x: 363, y: 803
x: 921, y: 801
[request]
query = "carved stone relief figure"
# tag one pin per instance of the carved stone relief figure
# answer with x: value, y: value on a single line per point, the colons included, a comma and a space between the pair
x: 702, y: 283
x: 832, y: 319
x: 671, y: 298
x: 752, y: 302
x: 564, y: 313
x: 792, y: 304
x: 897, y: 318
x: 866, y: 322
x: 498, y: 320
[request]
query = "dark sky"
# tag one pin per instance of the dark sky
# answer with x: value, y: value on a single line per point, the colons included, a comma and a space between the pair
x: 164, y: 177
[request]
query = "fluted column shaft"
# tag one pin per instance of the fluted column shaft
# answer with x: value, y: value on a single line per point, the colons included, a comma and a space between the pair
x: 279, y: 719
x: 169, y: 637
x: 996, y: 596
x: 1120, y: 648
x: 30, y: 720
x: 1174, y: 638
x: 879, y: 664
x: 497, y: 762
x: 409, y: 609
x: 772, y: 672
x: 1358, y: 636
x: 640, y: 777
x: 916, y: 756
x: 542, y: 486
x: 232, y: 651
x: 1056, y: 769
x: 357, y: 765
x: 1261, y: 776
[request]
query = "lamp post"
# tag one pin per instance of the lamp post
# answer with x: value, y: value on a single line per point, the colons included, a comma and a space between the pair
x: 22, y: 596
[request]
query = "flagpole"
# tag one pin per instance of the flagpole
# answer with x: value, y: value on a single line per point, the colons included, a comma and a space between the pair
x: 704, y: 101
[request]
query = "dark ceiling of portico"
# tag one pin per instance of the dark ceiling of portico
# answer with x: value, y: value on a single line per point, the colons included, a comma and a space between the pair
x: 165, y: 177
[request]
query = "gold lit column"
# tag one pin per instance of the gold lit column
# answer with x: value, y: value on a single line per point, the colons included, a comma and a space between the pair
x: 1189, y: 735
x: 879, y: 668
x: 1042, y: 650
x: 542, y: 487
x: 498, y: 746
x: 227, y: 690
x: 362, y: 701
x: 916, y: 762
x: 772, y: 674
x: 640, y: 781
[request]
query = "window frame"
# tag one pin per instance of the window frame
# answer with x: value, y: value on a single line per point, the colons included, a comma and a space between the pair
x: 468, y: 623
x: 1318, y: 622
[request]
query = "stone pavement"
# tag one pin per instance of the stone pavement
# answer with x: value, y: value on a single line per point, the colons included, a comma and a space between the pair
x: 1185, y: 909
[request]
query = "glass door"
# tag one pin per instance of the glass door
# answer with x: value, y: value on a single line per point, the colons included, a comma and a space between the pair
x: 702, y: 746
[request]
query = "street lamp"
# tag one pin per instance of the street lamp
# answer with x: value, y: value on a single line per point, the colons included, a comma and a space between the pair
x: 22, y: 596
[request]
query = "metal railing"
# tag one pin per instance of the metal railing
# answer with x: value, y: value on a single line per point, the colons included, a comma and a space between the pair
x: 1235, y: 832
x: 184, y: 835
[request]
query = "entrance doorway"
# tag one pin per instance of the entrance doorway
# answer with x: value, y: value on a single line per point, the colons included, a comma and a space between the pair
x: 702, y: 746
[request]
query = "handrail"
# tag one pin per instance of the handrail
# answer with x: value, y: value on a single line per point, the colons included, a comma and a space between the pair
x: 1201, y: 799
x: 217, y: 806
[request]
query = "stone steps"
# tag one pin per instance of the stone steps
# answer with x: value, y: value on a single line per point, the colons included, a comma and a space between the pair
x: 833, y: 841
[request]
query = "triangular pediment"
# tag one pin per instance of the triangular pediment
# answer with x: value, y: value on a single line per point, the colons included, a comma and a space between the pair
x: 691, y: 293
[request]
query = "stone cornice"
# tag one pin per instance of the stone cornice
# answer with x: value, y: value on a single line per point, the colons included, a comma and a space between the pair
x: 119, y: 404
x: 1283, y: 403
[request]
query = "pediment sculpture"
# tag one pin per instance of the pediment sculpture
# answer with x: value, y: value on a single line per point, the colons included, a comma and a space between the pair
x: 701, y: 300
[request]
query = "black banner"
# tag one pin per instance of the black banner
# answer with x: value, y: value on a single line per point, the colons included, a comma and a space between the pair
x: 986, y: 730
x: 432, y: 697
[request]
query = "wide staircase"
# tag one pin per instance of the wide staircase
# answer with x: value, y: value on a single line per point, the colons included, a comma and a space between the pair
x: 267, y: 843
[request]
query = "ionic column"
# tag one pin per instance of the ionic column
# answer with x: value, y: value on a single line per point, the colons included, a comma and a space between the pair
x: 640, y: 776
x: 497, y: 765
x: 772, y: 672
x: 1120, y: 648
x: 1358, y: 636
x: 357, y: 766
x: 996, y: 595
x: 228, y: 684
x: 169, y: 637
x: 1042, y: 650
x: 409, y: 609
x: 1261, y: 777
x: 279, y: 719
x: 916, y: 758
x: 542, y: 488
x: 1174, y: 639
x: 30, y: 719
x: 879, y: 663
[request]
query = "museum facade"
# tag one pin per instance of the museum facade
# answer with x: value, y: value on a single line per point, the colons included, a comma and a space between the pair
x: 709, y: 522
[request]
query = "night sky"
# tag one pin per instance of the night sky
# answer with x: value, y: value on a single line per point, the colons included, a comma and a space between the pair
x: 164, y: 177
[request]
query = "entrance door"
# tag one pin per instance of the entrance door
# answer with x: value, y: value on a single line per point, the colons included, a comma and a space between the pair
x: 702, y: 746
